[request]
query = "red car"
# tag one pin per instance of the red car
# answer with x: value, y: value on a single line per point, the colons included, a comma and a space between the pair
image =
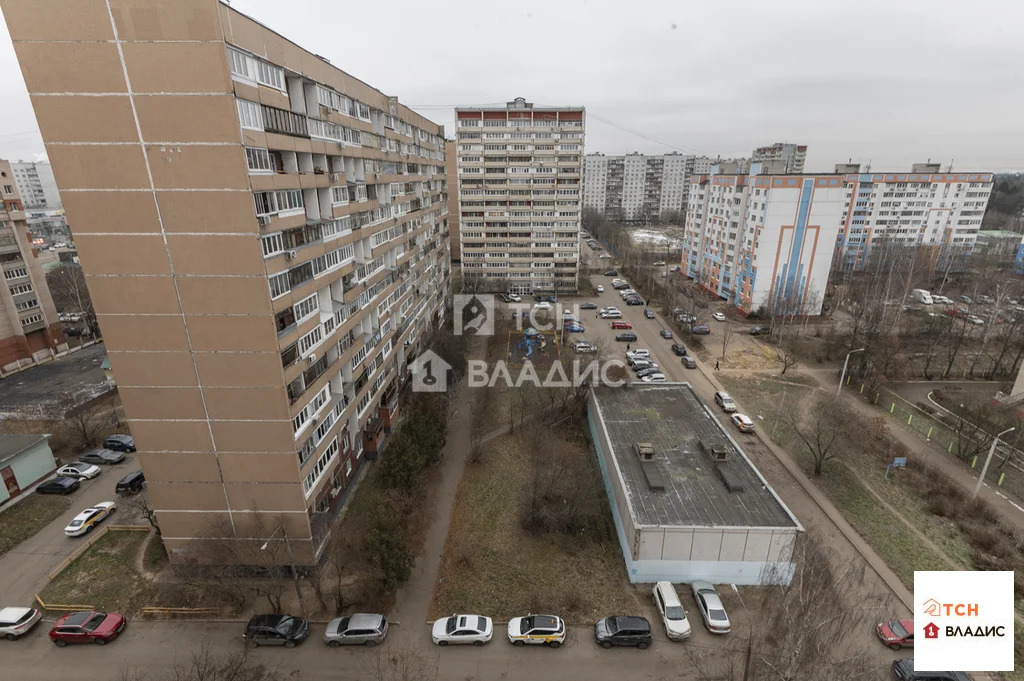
x: 896, y: 633
x: 87, y: 627
x: 621, y: 325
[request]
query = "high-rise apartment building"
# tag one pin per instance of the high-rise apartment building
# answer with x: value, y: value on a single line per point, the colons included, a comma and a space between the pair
x: 36, y: 185
x: 451, y: 175
x: 924, y: 207
x: 636, y: 187
x: 763, y: 239
x: 29, y: 329
x: 264, y: 237
x: 791, y: 155
x: 520, y: 181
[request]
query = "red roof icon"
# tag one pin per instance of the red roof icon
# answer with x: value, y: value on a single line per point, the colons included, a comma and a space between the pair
x: 931, y: 630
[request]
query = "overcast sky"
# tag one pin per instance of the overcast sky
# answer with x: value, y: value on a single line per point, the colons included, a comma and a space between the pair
x: 886, y: 82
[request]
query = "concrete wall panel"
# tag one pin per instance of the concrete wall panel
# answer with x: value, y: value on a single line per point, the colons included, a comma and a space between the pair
x: 207, y: 254
x: 34, y: 20
x: 188, y: 119
x: 247, y: 403
x: 151, y: 368
x: 259, y: 467
x: 85, y: 119
x: 99, y: 167
x: 707, y: 544
x: 105, y: 254
x: 108, y: 211
x: 224, y: 295
x: 246, y: 370
x: 180, y: 467
x: 128, y: 294
x: 198, y: 167
x: 162, y: 403
x: 207, y: 211
x: 84, y: 67
x: 176, y: 436
x: 144, y: 333
x: 193, y: 496
x: 239, y: 333
x: 254, y: 436
x: 177, y: 67
x: 178, y: 20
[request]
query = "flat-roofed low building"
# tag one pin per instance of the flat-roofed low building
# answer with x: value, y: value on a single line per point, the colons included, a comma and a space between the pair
x: 687, y: 502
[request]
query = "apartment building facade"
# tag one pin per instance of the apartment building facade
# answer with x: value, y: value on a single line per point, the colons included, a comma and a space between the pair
x: 265, y: 241
x: 922, y: 208
x: 30, y: 331
x: 763, y: 240
x: 520, y: 180
x: 37, y: 186
x: 791, y: 155
x: 636, y: 188
x: 451, y: 175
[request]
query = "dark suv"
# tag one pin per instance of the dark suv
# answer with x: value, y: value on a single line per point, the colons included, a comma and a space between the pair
x: 623, y: 631
x: 131, y: 483
x: 120, y: 443
x: 626, y: 337
x: 275, y: 630
x: 904, y: 670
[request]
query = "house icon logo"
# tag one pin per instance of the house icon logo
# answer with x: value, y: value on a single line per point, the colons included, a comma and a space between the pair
x: 932, y: 608
x: 474, y: 315
x: 429, y: 373
x: 931, y: 630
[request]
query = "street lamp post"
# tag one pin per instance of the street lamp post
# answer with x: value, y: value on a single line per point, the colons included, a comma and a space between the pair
x: 291, y: 559
x: 842, y: 376
x: 988, y: 460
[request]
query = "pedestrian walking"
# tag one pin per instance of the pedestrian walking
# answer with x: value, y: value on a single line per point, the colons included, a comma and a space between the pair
x: 716, y: 365
x: 627, y: 347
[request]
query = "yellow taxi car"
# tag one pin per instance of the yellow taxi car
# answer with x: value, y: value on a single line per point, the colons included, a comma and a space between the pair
x: 86, y: 521
x: 536, y: 629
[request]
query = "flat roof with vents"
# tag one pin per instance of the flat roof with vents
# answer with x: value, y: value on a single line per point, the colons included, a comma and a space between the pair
x: 699, y: 476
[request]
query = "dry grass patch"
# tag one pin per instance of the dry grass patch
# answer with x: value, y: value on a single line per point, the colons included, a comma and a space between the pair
x: 493, y: 565
x: 28, y: 516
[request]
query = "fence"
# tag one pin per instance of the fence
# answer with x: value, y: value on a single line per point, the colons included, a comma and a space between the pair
x: 61, y: 606
x: 189, y: 612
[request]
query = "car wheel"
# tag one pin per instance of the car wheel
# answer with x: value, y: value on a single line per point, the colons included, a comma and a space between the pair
x: 895, y: 646
x: 334, y: 644
x: 555, y: 644
x: 11, y: 637
x: 289, y: 644
x: 100, y: 641
x: 370, y: 644
x: 643, y: 645
x: 113, y: 510
x: 88, y: 529
x: 442, y: 643
x: 606, y: 644
x: 519, y: 644
x: 478, y: 643
x: 253, y: 644
x: 59, y: 643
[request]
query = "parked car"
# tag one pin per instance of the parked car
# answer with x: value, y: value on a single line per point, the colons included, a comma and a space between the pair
x: 16, y: 622
x: 131, y: 483
x: 665, y: 333
x: 275, y: 630
x: 638, y: 365
x: 656, y: 377
x: 684, y: 318
x: 975, y: 319
x: 634, y: 301
x: 742, y: 423
x: 660, y: 263
x: 543, y: 305
x: 986, y: 300
x: 676, y: 268
x: 77, y: 469
x: 611, y: 314
x: 462, y: 629
x: 904, y: 671
x: 759, y: 330
x: 626, y: 338
x: 611, y: 273
x: 583, y: 346
x: 711, y: 608
x: 102, y: 456
x: 649, y: 313
x: 896, y: 633
x: 648, y: 371
x: 638, y: 352
x: 505, y: 298
x: 966, y: 300
x: 700, y: 329
x: 356, y: 630
x: 623, y: 630
x: 718, y: 316
x: 588, y: 306
x: 621, y: 325
x: 120, y: 443
x: 689, y: 362
x: 573, y: 327
x: 570, y: 318
x: 59, y: 485
x: 600, y: 289
x: 86, y: 521
x: 536, y: 630
x: 679, y: 350
x: 725, y: 401
x: 673, y: 616
x: 87, y: 627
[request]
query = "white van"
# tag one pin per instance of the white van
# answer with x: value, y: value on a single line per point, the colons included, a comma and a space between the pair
x: 922, y: 296
x: 677, y: 627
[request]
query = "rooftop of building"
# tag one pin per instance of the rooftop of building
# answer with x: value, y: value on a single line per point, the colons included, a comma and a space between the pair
x: 12, y: 445
x: 519, y: 104
x: 684, y: 434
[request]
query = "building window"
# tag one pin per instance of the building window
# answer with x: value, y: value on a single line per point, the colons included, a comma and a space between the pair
x: 27, y: 305
x: 250, y: 114
x: 250, y: 68
x: 31, y: 319
x: 21, y: 288
x: 279, y: 285
x: 305, y: 307
x: 258, y: 159
x: 273, y: 244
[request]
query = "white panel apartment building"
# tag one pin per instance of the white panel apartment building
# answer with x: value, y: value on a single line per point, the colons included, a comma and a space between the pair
x: 37, y: 185
x: 636, y: 187
x: 791, y: 155
x: 520, y: 183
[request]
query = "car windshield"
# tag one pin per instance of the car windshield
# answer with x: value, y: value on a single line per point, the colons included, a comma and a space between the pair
x: 481, y: 624
x: 613, y: 624
x: 287, y: 624
x: 95, y: 621
x: 675, y: 612
x: 75, y: 523
x: 452, y: 623
x: 898, y: 629
x: 718, y: 615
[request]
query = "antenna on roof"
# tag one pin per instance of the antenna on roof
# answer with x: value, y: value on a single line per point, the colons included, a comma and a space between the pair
x: 868, y: 169
x: 950, y: 169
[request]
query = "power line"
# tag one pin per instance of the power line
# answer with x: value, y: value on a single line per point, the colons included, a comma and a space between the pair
x: 591, y: 114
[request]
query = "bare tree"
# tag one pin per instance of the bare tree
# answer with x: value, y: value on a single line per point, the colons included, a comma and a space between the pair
x: 727, y: 331
x: 205, y: 666
x: 70, y: 294
x: 820, y: 430
x: 140, y: 504
x: 85, y: 427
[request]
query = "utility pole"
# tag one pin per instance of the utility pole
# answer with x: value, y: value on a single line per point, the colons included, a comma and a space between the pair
x: 988, y: 460
x: 291, y: 560
x: 842, y: 377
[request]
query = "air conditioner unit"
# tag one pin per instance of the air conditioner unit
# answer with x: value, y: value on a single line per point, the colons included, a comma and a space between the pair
x: 290, y: 255
x: 311, y: 359
x: 315, y: 421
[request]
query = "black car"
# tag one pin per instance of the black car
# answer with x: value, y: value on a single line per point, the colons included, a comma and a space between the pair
x: 120, y: 443
x: 634, y: 301
x: 59, y: 486
x: 623, y: 631
x: 689, y: 362
x: 611, y: 273
x: 275, y: 630
x: 588, y: 306
x: 626, y: 337
x: 648, y: 371
x: 649, y: 313
x: 904, y: 670
x: 102, y: 456
x: 758, y: 330
x: 131, y: 483
x: 679, y: 350
x: 665, y: 333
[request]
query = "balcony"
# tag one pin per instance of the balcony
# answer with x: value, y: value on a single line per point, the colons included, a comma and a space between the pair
x: 284, y: 122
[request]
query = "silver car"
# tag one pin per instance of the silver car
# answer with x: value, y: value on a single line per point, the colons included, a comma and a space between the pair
x: 356, y: 630
x: 711, y: 608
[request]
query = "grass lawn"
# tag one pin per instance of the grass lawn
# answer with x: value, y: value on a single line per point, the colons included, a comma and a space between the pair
x: 490, y: 564
x: 766, y: 398
x: 104, y: 576
x: 24, y: 519
x: 155, y: 558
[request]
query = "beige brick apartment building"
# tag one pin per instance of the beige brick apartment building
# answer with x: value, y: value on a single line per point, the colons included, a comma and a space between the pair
x: 265, y: 240
x: 29, y: 328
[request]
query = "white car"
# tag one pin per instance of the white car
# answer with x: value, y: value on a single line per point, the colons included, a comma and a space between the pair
x: 583, y: 346
x: 536, y: 630
x: 638, y: 353
x: 604, y: 256
x: 461, y: 629
x: 515, y: 298
x: 600, y: 289
x: 543, y: 306
x: 654, y: 378
x: 611, y: 314
x: 718, y: 317
x: 16, y: 622
x: 660, y: 263
x: 742, y: 423
x: 86, y: 521
x: 610, y: 308
x: 673, y: 616
x: 711, y: 608
x: 976, y: 320
x: 79, y: 469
